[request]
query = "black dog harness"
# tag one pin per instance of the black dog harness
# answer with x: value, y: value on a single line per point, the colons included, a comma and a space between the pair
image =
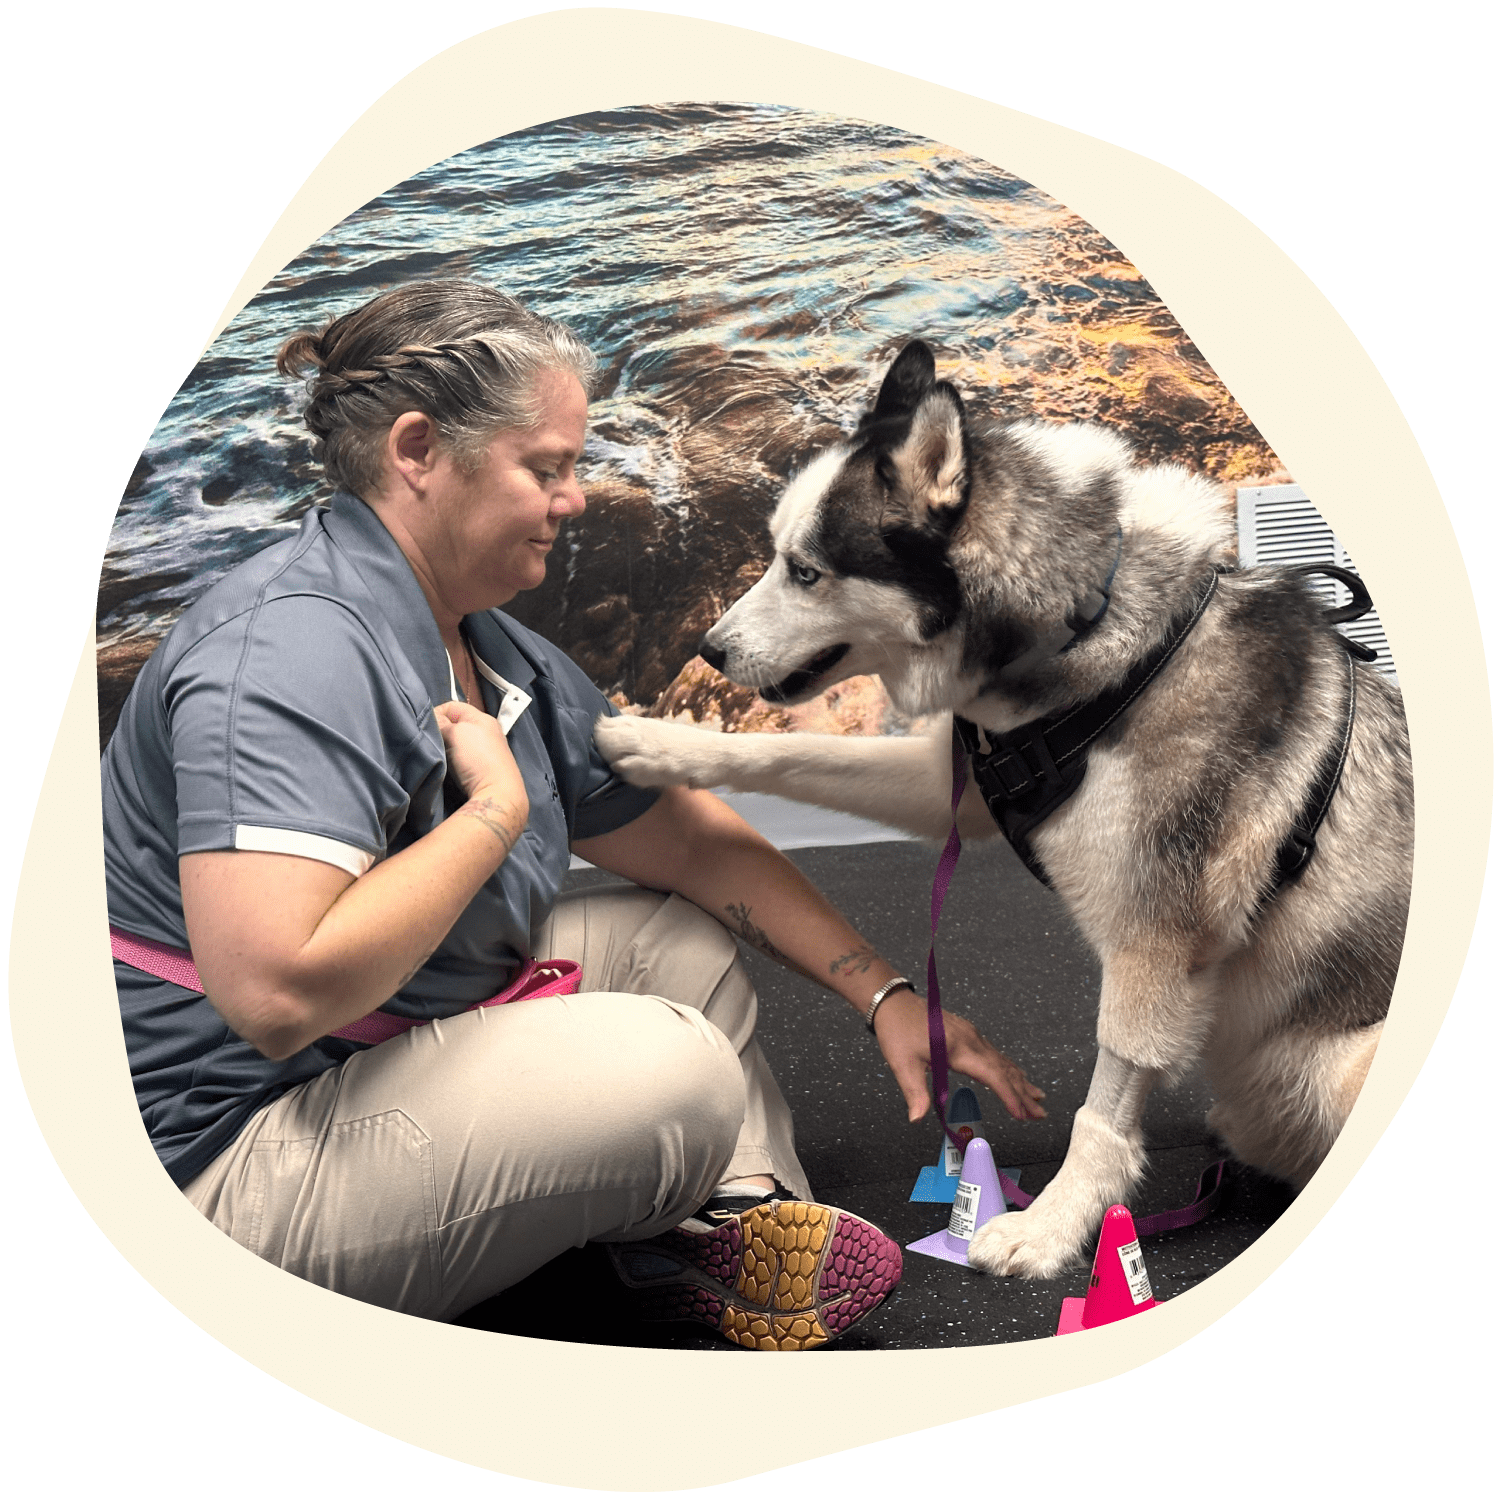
x: 1025, y: 775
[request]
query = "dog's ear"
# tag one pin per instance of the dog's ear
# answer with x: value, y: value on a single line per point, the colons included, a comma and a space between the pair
x: 928, y: 471
x: 905, y: 383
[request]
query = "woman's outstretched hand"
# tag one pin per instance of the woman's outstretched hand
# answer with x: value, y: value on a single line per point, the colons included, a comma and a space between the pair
x: 901, y: 1029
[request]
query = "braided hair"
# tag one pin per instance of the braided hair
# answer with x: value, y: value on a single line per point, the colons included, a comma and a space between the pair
x: 461, y: 353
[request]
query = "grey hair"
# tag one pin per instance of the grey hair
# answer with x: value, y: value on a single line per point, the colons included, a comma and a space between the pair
x: 461, y: 353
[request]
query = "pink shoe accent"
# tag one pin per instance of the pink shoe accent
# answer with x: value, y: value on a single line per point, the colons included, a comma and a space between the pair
x: 862, y: 1266
x: 716, y: 1254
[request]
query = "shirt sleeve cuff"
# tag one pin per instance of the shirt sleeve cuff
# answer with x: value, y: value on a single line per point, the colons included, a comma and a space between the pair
x: 612, y: 806
x: 304, y: 845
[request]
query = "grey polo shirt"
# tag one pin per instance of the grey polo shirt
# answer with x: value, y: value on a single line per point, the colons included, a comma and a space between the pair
x: 290, y: 711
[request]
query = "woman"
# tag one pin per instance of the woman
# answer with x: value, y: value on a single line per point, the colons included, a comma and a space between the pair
x: 348, y: 784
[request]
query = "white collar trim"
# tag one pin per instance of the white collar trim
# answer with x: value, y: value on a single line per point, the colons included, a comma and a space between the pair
x: 513, y: 702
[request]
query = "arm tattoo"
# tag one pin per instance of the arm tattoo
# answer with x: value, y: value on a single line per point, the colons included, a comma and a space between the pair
x: 858, y: 961
x: 740, y: 915
x: 501, y: 821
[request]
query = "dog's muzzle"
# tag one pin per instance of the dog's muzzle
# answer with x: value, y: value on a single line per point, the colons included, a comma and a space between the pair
x: 790, y: 687
x: 795, y: 686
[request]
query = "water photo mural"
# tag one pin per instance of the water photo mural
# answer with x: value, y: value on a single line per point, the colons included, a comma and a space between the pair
x: 745, y: 274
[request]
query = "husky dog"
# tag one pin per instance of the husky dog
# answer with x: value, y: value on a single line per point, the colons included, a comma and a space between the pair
x: 1005, y: 573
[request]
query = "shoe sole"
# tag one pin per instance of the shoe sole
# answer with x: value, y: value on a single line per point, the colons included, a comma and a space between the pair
x: 781, y: 1277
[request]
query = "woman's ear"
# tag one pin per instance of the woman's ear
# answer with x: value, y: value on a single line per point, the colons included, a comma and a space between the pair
x: 411, y: 449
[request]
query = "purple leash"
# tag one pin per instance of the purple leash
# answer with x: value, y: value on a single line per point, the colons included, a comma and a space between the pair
x: 937, y: 1040
x: 1214, y: 1182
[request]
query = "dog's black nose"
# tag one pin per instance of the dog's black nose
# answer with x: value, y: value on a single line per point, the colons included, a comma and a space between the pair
x: 711, y: 653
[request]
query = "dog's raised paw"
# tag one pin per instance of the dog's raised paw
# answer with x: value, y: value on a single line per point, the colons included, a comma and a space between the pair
x: 1009, y: 1245
x: 648, y: 752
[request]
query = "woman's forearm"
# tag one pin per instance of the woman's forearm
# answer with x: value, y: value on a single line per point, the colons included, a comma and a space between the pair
x: 691, y: 843
x: 763, y: 898
x: 695, y: 845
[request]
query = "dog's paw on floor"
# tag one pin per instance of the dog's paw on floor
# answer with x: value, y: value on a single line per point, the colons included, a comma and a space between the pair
x: 1023, y: 1244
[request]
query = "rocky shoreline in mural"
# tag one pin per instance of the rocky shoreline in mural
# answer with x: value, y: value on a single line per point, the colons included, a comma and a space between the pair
x: 745, y: 274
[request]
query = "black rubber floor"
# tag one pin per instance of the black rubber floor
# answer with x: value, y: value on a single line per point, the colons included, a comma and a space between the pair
x: 1009, y: 960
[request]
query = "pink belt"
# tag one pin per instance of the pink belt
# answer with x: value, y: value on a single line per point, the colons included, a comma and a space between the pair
x: 175, y: 965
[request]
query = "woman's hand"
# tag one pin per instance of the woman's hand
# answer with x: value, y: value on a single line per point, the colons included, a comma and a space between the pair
x: 901, y: 1029
x: 484, y: 767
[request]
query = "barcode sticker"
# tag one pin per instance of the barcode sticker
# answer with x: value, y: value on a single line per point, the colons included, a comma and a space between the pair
x: 953, y: 1155
x: 965, y: 1211
x: 1134, y: 1265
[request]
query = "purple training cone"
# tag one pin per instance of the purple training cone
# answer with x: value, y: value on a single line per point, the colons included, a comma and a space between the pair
x: 977, y: 1200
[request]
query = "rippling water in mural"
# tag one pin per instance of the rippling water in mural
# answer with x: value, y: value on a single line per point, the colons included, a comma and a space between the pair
x: 744, y: 273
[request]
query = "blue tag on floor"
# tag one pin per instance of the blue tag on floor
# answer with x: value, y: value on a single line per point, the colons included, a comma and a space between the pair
x: 935, y: 1185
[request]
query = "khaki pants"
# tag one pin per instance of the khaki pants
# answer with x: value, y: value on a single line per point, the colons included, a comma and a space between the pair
x: 429, y: 1172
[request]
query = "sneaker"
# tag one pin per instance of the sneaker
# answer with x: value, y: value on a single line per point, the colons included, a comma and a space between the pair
x: 765, y: 1273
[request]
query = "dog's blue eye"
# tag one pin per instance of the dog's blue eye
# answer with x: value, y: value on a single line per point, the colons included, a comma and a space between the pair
x: 807, y: 576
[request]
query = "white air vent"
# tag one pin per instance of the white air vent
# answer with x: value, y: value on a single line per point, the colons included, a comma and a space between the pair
x: 1279, y: 526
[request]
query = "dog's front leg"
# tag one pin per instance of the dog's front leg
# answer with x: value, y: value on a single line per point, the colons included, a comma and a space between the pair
x: 1104, y: 1159
x: 904, y: 781
x: 1153, y: 1010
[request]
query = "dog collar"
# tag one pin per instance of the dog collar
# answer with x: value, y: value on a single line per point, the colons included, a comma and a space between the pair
x: 1084, y: 618
x: 1082, y: 625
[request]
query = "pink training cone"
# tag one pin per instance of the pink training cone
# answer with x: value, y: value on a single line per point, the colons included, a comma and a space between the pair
x: 976, y: 1201
x: 1119, y: 1286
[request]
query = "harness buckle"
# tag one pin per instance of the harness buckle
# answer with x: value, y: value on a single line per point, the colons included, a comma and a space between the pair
x: 1001, y: 775
x: 1009, y: 774
x: 1012, y: 774
x: 967, y: 734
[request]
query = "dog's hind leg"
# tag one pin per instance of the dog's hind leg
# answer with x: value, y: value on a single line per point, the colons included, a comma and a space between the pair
x: 904, y: 781
x: 1153, y: 1011
x: 1282, y: 1107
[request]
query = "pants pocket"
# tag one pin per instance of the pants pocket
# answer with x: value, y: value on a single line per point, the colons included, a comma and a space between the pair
x: 353, y: 1210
